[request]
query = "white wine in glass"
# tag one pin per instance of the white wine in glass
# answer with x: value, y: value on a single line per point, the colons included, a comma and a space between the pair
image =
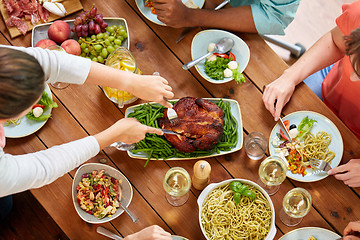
x: 296, y: 204
x: 272, y: 172
x: 58, y: 85
x: 177, y: 183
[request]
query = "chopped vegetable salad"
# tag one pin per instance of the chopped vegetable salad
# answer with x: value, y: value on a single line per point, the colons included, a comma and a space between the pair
x: 99, y: 194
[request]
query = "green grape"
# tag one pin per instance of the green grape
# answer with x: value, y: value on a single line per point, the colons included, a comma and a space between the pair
x: 100, y: 36
x: 94, y: 59
x: 100, y: 59
x: 104, y: 53
x: 93, y: 37
x: 83, y: 54
x: 110, y: 29
x: 83, y: 45
x: 111, y: 38
x: 86, y: 50
x: 121, y: 27
x: 106, y: 35
x: 93, y: 52
x: 98, y: 47
x: 120, y: 38
x: 110, y: 49
x: 116, y: 46
x: 117, y: 41
x: 107, y: 41
x: 125, y: 35
x: 91, y: 56
x: 80, y: 41
x: 122, y: 32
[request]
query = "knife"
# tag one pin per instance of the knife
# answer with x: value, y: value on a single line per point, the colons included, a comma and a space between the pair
x: 283, y: 127
x: 188, y: 29
x: 169, y: 132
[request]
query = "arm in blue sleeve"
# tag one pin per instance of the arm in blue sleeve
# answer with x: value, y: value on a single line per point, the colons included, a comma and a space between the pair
x: 273, y: 16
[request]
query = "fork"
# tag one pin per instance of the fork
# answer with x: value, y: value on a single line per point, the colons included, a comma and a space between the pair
x: 320, y: 165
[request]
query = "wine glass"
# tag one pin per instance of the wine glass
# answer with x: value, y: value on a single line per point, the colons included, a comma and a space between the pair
x: 177, y: 183
x: 58, y: 85
x: 272, y: 172
x: 296, y: 204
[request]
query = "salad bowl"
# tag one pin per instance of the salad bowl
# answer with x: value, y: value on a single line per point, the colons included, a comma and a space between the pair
x: 199, y: 47
x: 127, y: 191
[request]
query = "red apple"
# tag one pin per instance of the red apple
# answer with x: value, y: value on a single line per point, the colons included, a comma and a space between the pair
x: 71, y: 46
x: 44, y: 43
x: 59, y: 31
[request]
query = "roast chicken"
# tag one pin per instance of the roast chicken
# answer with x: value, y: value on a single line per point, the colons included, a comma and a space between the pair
x: 200, y: 124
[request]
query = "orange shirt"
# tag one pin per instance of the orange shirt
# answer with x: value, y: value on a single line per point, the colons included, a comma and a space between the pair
x: 341, y: 94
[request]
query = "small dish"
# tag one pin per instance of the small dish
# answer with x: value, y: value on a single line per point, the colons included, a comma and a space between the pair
x: 322, y: 124
x: 306, y: 232
x: 27, y: 126
x: 200, y: 45
x: 235, y: 111
x: 127, y: 192
x: 146, y: 11
x: 40, y: 31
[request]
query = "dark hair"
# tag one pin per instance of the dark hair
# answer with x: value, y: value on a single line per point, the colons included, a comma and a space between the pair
x: 352, y: 43
x: 22, y: 82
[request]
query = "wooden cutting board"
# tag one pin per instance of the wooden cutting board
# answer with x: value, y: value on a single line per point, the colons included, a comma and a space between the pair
x: 71, y: 6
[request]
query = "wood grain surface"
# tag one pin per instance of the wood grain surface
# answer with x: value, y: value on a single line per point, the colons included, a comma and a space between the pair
x: 85, y: 110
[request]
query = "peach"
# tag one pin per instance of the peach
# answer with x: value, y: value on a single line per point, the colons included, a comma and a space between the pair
x: 44, y: 43
x: 59, y: 31
x: 71, y: 46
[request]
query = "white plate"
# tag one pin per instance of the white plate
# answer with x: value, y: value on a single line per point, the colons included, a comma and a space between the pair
x: 40, y: 31
x: 127, y: 192
x: 322, y: 124
x: 235, y: 110
x: 306, y: 232
x: 146, y: 11
x: 27, y: 126
x: 199, y: 47
x: 173, y: 237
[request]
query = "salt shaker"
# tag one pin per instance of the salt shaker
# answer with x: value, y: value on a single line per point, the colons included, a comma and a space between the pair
x: 201, y: 175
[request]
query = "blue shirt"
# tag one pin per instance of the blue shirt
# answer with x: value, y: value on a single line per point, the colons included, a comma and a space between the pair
x: 270, y: 16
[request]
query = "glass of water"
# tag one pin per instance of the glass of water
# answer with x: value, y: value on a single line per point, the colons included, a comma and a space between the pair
x: 58, y: 85
x: 255, y: 145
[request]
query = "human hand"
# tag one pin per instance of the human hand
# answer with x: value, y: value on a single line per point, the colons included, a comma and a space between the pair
x: 352, y: 230
x: 127, y: 130
x: 152, y: 88
x: 150, y: 233
x: 277, y: 94
x: 349, y: 173
x: 171, y: 12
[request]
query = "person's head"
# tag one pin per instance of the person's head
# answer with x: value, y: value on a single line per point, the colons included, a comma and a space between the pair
x: 352, y: 43
x: 22, y: 82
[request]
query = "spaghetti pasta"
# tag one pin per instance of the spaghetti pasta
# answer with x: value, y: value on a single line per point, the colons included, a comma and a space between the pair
x: 318, y: 146
x: 221, y: 218
x: 13, y: 121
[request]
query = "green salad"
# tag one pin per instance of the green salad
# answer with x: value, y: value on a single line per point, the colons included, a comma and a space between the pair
x: 44, y: 103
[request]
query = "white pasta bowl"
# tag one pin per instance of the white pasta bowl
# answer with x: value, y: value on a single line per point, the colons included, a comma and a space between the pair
x: 204, y: 194
x: 127, y: 192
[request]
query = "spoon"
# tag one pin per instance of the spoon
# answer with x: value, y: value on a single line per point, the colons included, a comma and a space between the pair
x: 223, y: 46
x: 131, y: 215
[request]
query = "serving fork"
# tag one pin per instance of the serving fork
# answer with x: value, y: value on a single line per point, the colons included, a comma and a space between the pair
x: 320, y: 165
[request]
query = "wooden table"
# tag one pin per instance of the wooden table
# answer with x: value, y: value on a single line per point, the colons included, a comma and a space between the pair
x: 154, y: 47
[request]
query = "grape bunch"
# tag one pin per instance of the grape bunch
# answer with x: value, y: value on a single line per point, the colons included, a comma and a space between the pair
x: 97, y: 47
x: 89, y: 22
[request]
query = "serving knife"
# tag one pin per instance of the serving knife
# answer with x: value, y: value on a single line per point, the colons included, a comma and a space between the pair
x: 284, y: 129
x: 188, y: 29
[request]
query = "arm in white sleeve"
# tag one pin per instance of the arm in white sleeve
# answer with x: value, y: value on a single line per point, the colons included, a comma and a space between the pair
x: 59, y: 66
x: 22, y: 172
x: 273, y: 16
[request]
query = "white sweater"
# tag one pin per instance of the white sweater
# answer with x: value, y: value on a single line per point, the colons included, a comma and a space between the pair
x: 22, y: 172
